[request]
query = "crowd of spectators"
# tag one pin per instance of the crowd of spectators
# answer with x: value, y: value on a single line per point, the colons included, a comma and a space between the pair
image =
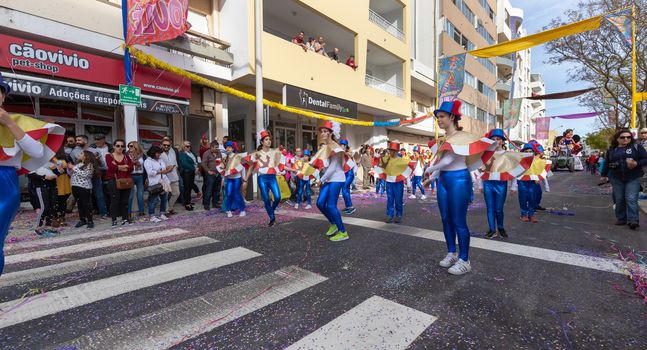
x: 318, y: 46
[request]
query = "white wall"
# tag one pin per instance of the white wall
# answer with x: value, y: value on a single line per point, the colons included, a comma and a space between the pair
x: 235, y: 28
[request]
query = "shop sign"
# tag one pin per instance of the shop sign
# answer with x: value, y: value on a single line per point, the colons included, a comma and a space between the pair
x: 19, y: 54
x: 314, y: 101
x: 24, y: 87
x: 129, y: 94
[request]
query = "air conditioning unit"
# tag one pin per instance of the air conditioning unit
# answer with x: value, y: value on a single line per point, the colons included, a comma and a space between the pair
x: 208, y: 100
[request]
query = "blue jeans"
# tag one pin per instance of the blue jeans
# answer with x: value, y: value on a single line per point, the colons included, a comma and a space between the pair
x: 327, y: 203
x: 152, y: 203
x: 9, y: 203
x: 266, y: 183
x: 234, y: 197
x: 416, y: 182
x: 304, y: 188
x: 380, y: 187
x: 453, y: 200
x: 345, y: 191
x: 138, y: 180
x: 625, y: 195
x: 528, y: 197
x: 394, y: 193
x: 211, y: 193
x: 97, y: 191
x: 494, y: 192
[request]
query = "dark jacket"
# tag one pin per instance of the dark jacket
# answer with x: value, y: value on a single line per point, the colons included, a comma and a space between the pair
x: 615, y: 164
x: 186, y: 163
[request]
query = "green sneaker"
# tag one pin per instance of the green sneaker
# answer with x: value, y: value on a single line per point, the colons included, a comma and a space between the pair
x: 341, y: 236
x: 332, y: 230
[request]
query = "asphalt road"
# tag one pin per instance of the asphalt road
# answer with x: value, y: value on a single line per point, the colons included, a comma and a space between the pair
x: 208, y: 282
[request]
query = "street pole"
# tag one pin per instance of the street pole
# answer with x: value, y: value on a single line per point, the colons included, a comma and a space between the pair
x: 259, y: 68
x: 634, y: 102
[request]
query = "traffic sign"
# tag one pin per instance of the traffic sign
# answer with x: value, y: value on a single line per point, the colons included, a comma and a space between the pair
x: 129, y: 94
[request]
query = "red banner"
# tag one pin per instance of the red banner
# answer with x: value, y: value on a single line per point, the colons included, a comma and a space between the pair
x: 151, y: 21
x: 58, y: 62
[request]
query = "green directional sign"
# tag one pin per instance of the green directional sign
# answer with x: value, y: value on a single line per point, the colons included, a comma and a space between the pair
x: 130, y: 95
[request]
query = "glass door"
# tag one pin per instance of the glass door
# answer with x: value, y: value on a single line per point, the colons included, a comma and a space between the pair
x: 286, y: 137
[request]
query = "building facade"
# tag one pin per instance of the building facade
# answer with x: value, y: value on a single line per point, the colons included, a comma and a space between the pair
x: 63, y: 59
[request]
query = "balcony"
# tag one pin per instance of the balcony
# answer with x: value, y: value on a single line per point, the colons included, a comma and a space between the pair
x: 201, y: 45
x: 376, y: 83
x: 388, y: 15
x: 505, y: 61
x: 503, y: 86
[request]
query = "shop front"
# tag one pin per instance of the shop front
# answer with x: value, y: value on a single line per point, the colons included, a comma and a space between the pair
x: 78, y: 90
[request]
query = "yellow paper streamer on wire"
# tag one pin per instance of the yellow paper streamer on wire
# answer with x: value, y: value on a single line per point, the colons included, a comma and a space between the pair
x: 151, y: 61
x: 529, y: 41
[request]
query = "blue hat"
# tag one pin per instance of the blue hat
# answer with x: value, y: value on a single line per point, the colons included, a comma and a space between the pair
x: 497, y: 133
x: 6, y: 89
x: 229, y: 144
x: 306, y: 152
x: 451, y: 107
x: 343, y: 142
x: 527, y: 146
x: 416, y: 149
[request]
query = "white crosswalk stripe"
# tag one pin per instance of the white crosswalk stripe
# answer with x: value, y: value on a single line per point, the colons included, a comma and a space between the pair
x: 86, y: 293
x: 166, y: 327
x: 377, y: 323
x: 104, y: 243
x: 24, y: 276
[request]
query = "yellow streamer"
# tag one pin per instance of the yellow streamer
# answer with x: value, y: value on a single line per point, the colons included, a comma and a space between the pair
x: 527, y: 42
x: 151, y: 61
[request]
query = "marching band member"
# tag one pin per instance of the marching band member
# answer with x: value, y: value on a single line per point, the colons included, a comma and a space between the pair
x: 394, y: 170
x: 330, y: 158
x: 267, y: 162
x: 456, y: 156
x: 350, y: 170
x: 493, y: 182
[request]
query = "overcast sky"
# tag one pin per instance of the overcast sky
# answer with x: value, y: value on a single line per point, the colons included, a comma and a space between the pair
x: 538, y: 14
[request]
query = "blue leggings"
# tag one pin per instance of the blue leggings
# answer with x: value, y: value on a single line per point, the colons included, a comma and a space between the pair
x: 528, y: 197
x: 345, y: 191
x: 234, y: 198
x: 416, y: 182
x: 495, y: 192
x: 304, y: 187
x: 327, y: 203
x: 268, y: 182
x: 9, y: 203
x: 453, y: 199
x: 539, y: 192
x: 380, y: 186
x: 394, y: 193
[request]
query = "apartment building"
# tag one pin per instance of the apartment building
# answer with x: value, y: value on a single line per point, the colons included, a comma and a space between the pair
x: 537, y: 107
x: 375, y: 32
x: 468, y: 25
x: 80, y: 91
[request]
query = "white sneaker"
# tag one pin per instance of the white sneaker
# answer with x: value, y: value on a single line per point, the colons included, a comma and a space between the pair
x: 296, y: 206
x: 163, y: 217
x: 242, y: 213
x: 229, y: 214
x: 423, y: 197
x: 413, y: 196
x: 460, y: 268
x: 155, y: 219
x: 449, y: 260
x: 308, y: 206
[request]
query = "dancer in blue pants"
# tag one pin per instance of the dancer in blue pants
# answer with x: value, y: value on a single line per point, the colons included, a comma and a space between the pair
x: 394, y: 170
x: 267, y: 162
x: 304, y: 177
x: 527, y: 184
x: 232, y: 172
x: 416, y: 179
x: 452, y: 168
x: 350, y: 170
x: 330, y: 157
x: 25, y: 154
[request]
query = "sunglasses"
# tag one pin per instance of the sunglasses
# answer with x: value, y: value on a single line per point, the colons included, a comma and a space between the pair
x: 643, y: 132
x: 166, y: 145
x: 119, y: 146
x: 130, y: 146
x: 187, y: 146
x: 625, y: 137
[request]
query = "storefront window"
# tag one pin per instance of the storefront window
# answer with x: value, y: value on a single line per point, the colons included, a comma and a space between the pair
x: 195, y: 128
x: 58, y: 109
x: 98, y: 113
x: 20, y: 105
x: 309, y: 137
x: 91, y: 130
x: 153, y: 127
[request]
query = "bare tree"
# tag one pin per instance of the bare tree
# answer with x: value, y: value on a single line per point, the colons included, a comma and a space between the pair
x: 603, y: 59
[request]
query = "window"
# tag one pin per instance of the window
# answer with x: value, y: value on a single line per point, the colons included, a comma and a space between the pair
x: 468, y: 109
x: 458, y: 37
x: 487, y: 64
x: 487, y: 9
x: 465, y: 10
x: 481, y: 115
x: 485, y: 34
x: 470, y: 79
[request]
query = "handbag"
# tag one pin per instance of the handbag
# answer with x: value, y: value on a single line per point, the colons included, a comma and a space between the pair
x: 155, y: 189
x: 124, y: 184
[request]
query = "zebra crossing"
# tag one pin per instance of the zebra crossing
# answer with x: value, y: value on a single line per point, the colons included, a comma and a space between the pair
x: 373, y: 323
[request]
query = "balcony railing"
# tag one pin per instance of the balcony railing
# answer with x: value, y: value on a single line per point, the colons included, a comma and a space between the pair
x: 202, y: 46
x: 384, y: 86
x: 384, y: 24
